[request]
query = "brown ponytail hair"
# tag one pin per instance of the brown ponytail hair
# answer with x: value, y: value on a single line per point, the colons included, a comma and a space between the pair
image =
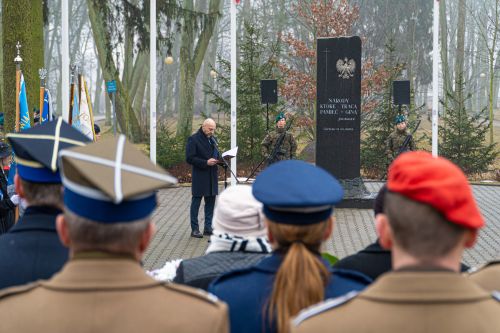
x: 302, y: 277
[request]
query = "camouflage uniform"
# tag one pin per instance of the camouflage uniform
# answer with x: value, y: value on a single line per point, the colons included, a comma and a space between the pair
x: 394, y: 143
x: 288, y: 146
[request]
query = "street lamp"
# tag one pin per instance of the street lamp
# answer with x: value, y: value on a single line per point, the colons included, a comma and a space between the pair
x: 169, y: 60
x: 213, y: 74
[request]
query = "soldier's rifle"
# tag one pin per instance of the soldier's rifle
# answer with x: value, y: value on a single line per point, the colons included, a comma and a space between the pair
x: 405, y: 144
x: 277, y: 148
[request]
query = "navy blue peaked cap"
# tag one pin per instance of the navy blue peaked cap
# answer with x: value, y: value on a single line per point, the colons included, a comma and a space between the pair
x: 37, y: 149
x: 296, y: 192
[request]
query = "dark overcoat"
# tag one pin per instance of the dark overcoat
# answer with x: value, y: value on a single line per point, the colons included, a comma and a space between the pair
x: 7, y: 207
x: 31, y: 250
x: 247, y: 291
x: 198, y: 151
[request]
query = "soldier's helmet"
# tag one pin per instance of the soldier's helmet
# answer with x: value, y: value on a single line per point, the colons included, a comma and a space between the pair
x: 399, y: 119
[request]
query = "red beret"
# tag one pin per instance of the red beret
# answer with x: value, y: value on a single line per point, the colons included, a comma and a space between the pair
x: 437, y: 182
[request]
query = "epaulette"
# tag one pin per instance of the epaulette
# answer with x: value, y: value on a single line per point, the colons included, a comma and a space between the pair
x: 496, y: 295
x: 323, y: 306
x: 195, y: 292
x: 477, y: 269
x: 12, y: 291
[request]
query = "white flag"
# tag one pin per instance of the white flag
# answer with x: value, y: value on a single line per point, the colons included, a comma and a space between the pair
x: 86, y: 121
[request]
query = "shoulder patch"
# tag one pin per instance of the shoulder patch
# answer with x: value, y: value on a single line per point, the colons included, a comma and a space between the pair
x: 323, y: 306
x: 194, y: 292
x: 496, y: 295
x: 12, y: 291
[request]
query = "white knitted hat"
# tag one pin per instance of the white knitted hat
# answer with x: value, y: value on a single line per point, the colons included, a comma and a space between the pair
x: 238, y: 213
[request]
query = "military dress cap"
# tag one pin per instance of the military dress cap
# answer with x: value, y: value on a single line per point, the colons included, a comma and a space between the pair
x: 111, y: 181
x: 36, y: 149
x: 4, y: 150
x: 437, y: 182
x: 399, y: 119
x: 280, y: 116
x: 296, y: 192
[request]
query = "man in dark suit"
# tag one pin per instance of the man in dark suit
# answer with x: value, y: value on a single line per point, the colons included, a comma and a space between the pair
x: 202, y: 154
x: 31, y: 249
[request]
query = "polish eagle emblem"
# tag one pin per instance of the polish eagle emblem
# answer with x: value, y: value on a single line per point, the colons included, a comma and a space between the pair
x: 346, y: 68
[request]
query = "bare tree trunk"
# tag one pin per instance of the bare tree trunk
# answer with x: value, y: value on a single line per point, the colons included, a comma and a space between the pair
x: 460, y: 52
x: 191, y: 58
x: 125, y: 115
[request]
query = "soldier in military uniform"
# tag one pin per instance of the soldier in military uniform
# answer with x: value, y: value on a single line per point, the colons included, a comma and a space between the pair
x: 109, y: 196
x: 298, y: 215
x: 394, y: 143
x: 287, y: 149
x: 430, y: 217
x: 31, y: 250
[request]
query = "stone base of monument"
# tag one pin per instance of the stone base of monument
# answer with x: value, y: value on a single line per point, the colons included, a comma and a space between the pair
x: 356, y: 195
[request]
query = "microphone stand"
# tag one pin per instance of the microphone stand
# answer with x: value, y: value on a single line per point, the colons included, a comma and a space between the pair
x: 226, y: 166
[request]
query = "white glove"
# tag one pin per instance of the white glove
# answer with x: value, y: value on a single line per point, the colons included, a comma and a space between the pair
x: 15, y: 199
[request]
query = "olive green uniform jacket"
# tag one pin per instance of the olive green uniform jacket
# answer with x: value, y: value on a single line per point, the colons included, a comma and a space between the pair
x: 108, y: 295
x: 488, y: 277
x: 409, y: 302
x: 287, y: 149
x: 395, y: 142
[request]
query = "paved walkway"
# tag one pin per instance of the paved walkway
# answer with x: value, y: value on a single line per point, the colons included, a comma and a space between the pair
x: 353, y: 231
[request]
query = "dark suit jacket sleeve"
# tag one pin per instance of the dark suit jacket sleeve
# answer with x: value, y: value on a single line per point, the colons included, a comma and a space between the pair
x: 191, y: 156
x: 5, y: 203
x: 179, y: 274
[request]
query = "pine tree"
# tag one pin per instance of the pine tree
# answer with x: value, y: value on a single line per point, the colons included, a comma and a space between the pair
x: 255, y: 63
x: 463, y: 134
x: 379, y: 123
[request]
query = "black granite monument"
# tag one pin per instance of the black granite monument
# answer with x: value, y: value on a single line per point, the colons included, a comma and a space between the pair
x: 338, y: 115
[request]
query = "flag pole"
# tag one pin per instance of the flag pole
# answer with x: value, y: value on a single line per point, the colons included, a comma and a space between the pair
x: 152, y: 81
x: 65, y: 61
x: 435, y: 79
x: 71, y: 94
x: 233, y: 87
x: 42, y: 73
x: 18, y: 60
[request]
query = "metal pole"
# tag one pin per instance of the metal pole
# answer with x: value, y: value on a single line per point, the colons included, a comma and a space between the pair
x: 435, y: 79
x: 114, y: 113
x: 65, y: 60
x: 18, y: 60
x: 233, y: 88
x: 152, y: 82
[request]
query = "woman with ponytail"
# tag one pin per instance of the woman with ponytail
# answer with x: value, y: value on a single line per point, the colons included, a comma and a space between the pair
x: 298, y: 200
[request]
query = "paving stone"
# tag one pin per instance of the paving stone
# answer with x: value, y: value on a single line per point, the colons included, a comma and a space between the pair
x: 354, y: 228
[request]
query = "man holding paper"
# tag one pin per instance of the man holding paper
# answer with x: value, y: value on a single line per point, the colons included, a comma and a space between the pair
x: 203, y: 155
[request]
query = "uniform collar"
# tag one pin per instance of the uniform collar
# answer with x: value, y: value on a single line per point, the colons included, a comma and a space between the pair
x: 37, y: 218
x: 428, y: 286
x: 100, y: 271
x: 375, y: 248
x: 273, y: 262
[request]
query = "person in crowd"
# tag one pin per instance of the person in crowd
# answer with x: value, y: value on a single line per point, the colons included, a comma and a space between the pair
x: 107, y: 226
x: 488, y: 276
x: 1, y: 123
x: 280, y: 144
x: 97, y: 132
x: 202, y: 154
x: 31, y: 250
x: 374, y: 260
x: 394, y: 143
x: 239, y: 239
x: 7, y: 203
x: 430, y: 217
x: 298, y: 214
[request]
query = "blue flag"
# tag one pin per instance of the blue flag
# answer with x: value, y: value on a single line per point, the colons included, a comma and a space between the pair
x: 75, y: 114
x: 46, y: 112
x: 24, y: 115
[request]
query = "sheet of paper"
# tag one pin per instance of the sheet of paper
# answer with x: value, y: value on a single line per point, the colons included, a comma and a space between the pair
x: 230, y: 153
